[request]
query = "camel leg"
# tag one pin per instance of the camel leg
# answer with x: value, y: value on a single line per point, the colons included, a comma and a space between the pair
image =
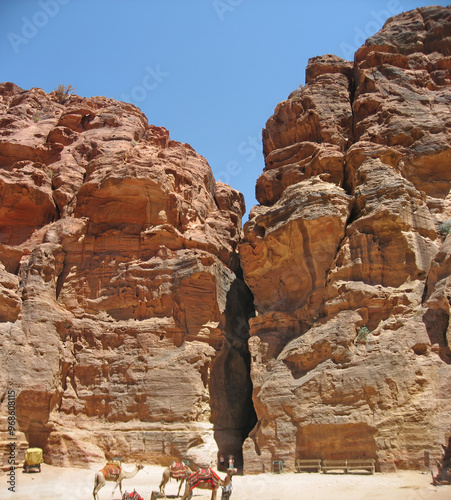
x: 188, y: 493
x: 180, y: 487
x: 164, y: 482
x: 118, y: 483
x: 213, y: 493
x: 98, y: 483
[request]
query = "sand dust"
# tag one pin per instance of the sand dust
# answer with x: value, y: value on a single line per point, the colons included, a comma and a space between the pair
x: 77, y: 484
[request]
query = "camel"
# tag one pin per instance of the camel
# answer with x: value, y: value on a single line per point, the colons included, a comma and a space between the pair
x: 116, y: 474
x: 156, y: 494
x: 178, y: 471
x: 206, y: 479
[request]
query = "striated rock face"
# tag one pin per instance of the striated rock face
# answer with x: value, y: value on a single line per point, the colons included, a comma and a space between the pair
x: 348, y: 256
x: 126, y: 327
x: 121, y: 308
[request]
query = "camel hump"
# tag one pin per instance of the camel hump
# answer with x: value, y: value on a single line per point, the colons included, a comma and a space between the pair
x: 111, y: 471
x: 214, y: 475
x: 178, y: 470
x: 203, y: 476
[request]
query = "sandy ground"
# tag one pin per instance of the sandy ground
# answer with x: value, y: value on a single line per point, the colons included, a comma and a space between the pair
x: 77, y: 484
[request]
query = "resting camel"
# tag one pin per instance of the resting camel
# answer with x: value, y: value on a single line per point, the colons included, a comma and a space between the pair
x: 206, y: 479
x: 178, y: 471
x: 156, y: 494
x: 113, y: 473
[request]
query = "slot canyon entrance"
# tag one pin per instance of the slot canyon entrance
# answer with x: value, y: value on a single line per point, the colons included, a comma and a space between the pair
x: 232, y: 408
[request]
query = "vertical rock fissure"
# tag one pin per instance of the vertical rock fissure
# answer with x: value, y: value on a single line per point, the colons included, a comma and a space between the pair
x: 128, y: 268
x: 231, y: 389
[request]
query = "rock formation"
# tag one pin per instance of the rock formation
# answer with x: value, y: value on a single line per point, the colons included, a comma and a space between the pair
x: 127, y: 322
x: 348, y: 256
x: 120, y: 297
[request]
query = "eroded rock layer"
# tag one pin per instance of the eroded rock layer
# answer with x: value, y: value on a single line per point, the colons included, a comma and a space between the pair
x: 348, y: 256
x: 120, y: 305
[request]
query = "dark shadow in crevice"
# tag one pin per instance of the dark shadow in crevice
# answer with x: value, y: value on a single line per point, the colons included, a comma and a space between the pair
x: 436, y: 322
x: 233, y: 413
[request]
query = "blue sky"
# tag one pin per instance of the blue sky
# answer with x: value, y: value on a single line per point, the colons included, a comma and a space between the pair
x: 210, y: 71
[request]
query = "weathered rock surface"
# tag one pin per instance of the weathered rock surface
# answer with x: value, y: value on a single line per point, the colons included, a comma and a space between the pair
x: 346, y: 260
x: 126, y: 327
x: 120, y: 306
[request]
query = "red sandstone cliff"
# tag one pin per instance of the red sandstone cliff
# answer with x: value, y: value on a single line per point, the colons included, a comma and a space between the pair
x: 120, y: 306
x: 346, y: 260
x: 124, y: 323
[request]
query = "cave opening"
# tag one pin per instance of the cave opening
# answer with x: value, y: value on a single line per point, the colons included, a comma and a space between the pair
x: 232, y: 408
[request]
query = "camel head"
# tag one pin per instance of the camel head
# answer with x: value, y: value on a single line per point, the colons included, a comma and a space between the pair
x: 231, y: 472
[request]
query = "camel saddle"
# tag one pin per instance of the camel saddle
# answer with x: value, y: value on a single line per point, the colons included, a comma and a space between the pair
x: 132, y: 496
x: 203, y: 476
x: 178, y: 470
x: 111, y: 471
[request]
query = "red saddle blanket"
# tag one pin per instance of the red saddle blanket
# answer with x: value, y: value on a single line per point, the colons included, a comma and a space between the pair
x: 111, y: 471
x: 178, y: 471
x: 132, y: 496
x: 203, y: 476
